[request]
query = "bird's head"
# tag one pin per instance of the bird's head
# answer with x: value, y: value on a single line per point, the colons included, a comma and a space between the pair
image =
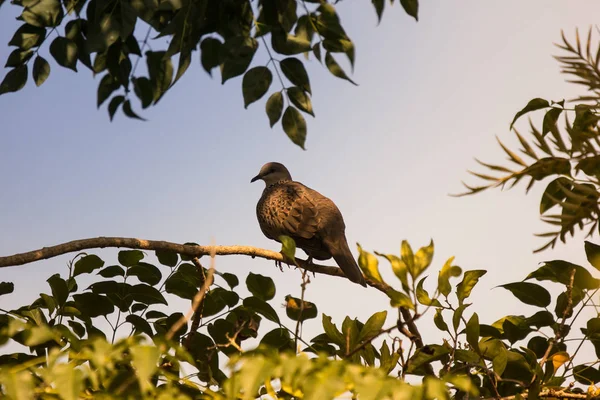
x: 273, y: 172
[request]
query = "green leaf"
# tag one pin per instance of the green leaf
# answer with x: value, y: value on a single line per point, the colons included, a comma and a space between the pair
x: 423, y: 296
x: 411, y: 7
x: 168, y: 258
x: 550, y: 119
x: 398, y: 267
x: 369, y: 264
x: 274, y: 107
x: 14, y: 80
x: 238, y: 53
x: 300, y: 99
x: 231, y: 279
x: 261, y: 286
x: 554, y: 193
x: 145, y: 362
x: 535, y: 104
x: 592, y: 251
x: 146, y: 273
x: 560, y: 271
x: 529, y: 293
x: 6, y: 288
x: 457, y: 316
x: 408, y: 257
x: 447, y: 271
x: 541, y: 319
x: 255, y: 84
x: 106, y: 87
x: 373, y: 326
x: 143, y: 90
x: 294, y: 125
x: 473, y: 331
x: 140, y: 324
x: 278, y: 338
x: 18, y: 57
x: 129, y: 258
x: 470, y: 279
x: 210, y: 54
x: 41, y: 70
x: 294, y: 71
x: 59, y: 288
x: 288, y: 247
x: 184, y: 282
x: 500, y: 361
x: 147, y: 294
x: 114, y: 104
x: 296, y: 309
x: 18, y: 385
x: 287, y: 44
x: 77, y: 328
x: 422, y: 259
x: 129, y: 112
x: 335, y: 68
x: 160, y: 72
x: 93, y: 305
x: 399, y: 299
x: 87, y: 264
x: 153, y: 314
x: 261, y: 307
x: 43, y: 13
x: 426, y: 355
x: 332, y: 331
x: 64, y: 52
x: 438, y: 320
x: 586, y: 374
x: 112, y: 271
x: 379, y: 6
x: 27, y: 36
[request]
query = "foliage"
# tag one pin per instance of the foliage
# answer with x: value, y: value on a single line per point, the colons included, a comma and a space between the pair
x: 571, y: 157
x: 111, y: 37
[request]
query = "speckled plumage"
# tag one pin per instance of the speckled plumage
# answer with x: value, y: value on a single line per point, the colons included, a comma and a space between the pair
x: 314, y: 222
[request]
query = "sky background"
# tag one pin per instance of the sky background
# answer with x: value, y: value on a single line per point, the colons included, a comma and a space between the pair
x: 432, y: 95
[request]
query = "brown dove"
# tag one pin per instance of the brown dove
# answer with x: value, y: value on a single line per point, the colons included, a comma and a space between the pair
x: 314, y: 222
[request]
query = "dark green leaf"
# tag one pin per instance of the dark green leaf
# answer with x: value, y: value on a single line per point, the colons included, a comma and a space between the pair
x: 114, y: 104
x: 27, y: 36
x: 106, y: 87
x: 140, y: 324
x: 560, y: 271
x: 470, y: 279
x: 426, y: 355
x: 554, y: 193
x: 586, y: 374
x: 137, y: 307
x: 379, y: 6
x: 438, y: 320
x: 210, y: 53
x: 146, y: 273
x: 274, y: 107
x: 59, y: 288
x: 294, y: 70
x: 77, y: 328
x: 373, y: 326
x: 168, y: 258
x: 147, y: 295
x: 550, y: 119
x: 529, y: 293
x: 87, y: 264
x: 185, y: 59
x: 231, y: 279
x: 300, y: 99
x: 129, y: 112
x: 278, y: 338
x: 592, y: 252
x: 238, y: 52
x: 6, y: 288
x: 93, y: 305
x: 535, y: 104
x: 64, y: 52
x: 18, y: 57
x: 255, y: 84
x: 296, y: 309
x: 284, y: 43
x: 541, y: 319
x: 411, y: 7
x: 160, y: 70
x: 41, y: 70
x: 294, y: 125
x: 473, y: 331
x: 43, y: 13
x: 335, y: 68
x: 184, y: 282
x: 261, y: 286
x: 332, y: 331
x: 456, y: 317
x: 538, y: 345
x: 143, y: 90
x: 261, y: 307
x: 129, y: 258
x: 14, y: 80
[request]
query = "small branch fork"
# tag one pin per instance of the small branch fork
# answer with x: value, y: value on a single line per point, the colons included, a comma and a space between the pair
x: 195, y: 251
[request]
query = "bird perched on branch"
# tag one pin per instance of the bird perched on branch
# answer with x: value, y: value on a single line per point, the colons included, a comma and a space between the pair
x: 314, y: 222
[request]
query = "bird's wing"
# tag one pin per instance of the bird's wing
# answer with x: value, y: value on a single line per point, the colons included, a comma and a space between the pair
x: 302, y: 216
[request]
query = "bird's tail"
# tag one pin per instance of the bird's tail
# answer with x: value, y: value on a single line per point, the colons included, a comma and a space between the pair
x: 345, y: 260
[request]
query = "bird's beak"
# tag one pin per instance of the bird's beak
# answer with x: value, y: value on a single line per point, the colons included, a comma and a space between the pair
x: 257, y: 177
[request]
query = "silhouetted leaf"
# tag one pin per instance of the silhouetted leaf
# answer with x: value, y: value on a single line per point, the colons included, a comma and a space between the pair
x: 6, y: 288
x: 18, y: 57
x: 64, y: 52
x: 550, y: 119
x: 147, y: 294
x: 168, y: 258
x: 300, y: 99
x: 59, y: 288
x: 278, y: 338
x: 255, y: 84
x: 14, y: 80
x: 41, y: 70
x: 261, y: 307
x: 210, y: 50
x: 592, y: 252
x: 294, y: 70
x: 129, y: 112
x: 238, y: 53
x: 140, y: 324
x: 87, y: 264
x: 529, y: 293
x: 560, y: 271
x: 554, y: 193
x: 379, y: 6
x: 231, y: 279
x: 129, y: 258
x: 535, y: 104
x: 261, y: 286
x: 93, y: 305
x: 274, y: 107
x: 411, y: 7
x: 43, y: 13
x: 106, y: 87
x: 27, y: 36
x: 146, y: 273
x: 143, y: 90
x: 335, y: 68
x: 473, y: 331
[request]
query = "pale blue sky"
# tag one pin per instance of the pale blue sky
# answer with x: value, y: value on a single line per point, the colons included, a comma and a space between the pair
x: 432, y: 96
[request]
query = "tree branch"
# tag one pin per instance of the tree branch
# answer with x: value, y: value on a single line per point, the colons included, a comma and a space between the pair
x: 192, y: 251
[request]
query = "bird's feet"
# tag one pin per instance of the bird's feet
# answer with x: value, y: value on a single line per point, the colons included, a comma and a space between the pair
x: 278, y: 265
